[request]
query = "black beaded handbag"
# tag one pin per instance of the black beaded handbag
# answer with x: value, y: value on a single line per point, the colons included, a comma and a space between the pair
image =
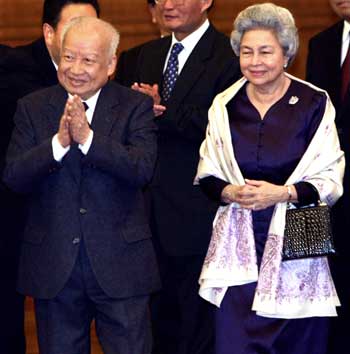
x: 308, y: 233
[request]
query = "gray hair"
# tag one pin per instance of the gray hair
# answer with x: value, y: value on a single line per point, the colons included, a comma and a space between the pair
x: 267, y: 16
x: 91, y: 23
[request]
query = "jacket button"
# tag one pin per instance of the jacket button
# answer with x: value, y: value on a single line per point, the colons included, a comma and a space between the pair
x: 82, y: 211
x: 76, y: 240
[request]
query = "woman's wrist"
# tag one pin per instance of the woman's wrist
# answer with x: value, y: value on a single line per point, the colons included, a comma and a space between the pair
x: 290, y: 194
x: 228, y: 194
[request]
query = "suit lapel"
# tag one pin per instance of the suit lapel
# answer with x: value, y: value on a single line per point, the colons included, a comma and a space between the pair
x: 105, y: 112
x: 334, y: 62
x: 335, y: 54
x: 54, y: 108
x: 331, y: 52
x: 194, y: 66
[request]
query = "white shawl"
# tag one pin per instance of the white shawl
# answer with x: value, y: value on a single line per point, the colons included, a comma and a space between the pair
x: 293, y: 289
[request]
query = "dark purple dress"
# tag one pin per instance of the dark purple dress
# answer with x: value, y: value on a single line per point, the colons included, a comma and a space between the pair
x: 269, y: 150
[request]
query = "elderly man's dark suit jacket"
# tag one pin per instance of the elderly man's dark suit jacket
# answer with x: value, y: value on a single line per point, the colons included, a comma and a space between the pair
x: 323, y: 70
x: 183, y: 213
x: 97, y: 197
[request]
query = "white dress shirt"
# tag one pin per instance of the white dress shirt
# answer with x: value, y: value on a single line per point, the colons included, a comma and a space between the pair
x: 345, y: 42
x: 188, y: 43
x: 58, y: 150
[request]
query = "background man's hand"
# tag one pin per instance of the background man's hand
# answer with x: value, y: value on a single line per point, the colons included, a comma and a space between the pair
x: 152, y: 91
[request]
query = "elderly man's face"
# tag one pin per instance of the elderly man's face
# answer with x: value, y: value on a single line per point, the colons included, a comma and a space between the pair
x: 341, y: 8
x: 85, y: 63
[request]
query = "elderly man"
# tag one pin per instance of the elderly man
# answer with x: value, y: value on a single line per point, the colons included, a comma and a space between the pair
x: 328, y: 66
x: 23, y: 70
x: 82, y: 152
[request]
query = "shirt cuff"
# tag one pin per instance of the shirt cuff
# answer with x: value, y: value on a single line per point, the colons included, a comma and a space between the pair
x: 58, y: 150
x: 84, y: 148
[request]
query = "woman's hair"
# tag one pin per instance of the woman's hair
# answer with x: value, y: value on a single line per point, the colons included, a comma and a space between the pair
x: 271, y: 17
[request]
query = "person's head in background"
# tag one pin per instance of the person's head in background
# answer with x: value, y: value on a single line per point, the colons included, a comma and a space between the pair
x: 341, y: 8
x: 183, y: 17
x: 157, y: 18
x: 56, y: 13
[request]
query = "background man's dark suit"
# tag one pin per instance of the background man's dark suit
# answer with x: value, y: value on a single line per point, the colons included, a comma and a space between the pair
x: 323, y: 70
x: 126, y: 66
x: 323, y: 67
x: 210, y: 69
x: 94, y: 201
x: 22, y: 70
x: 181, y: 214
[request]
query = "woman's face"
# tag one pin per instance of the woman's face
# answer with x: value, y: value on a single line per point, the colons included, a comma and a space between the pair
x: 261, y: 58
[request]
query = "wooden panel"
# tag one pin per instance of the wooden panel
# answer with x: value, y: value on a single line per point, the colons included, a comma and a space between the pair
x: 20, y: 20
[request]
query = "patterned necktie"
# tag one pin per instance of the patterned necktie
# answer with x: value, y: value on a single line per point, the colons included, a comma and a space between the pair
x: 171, y: 71
x: 345, y: 75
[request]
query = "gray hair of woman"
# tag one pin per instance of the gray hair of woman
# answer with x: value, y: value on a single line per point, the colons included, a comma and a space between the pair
x: 271, y: 17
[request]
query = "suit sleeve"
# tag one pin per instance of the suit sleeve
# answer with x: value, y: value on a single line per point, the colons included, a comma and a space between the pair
x: 132, y: 160
x: 27, y: 162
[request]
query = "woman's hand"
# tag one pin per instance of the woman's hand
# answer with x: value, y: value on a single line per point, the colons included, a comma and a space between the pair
x: 257, y: 195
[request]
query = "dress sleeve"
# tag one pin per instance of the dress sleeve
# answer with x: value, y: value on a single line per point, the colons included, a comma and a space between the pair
x: 212, y: 187
x: 307, y: 193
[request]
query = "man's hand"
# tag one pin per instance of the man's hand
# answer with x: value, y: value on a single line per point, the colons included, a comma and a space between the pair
x: 152, y: 91
x: 78, y: 125
x: 63, y: 133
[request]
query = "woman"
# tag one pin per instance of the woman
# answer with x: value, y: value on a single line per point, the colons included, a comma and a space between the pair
x: 270, y: 140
